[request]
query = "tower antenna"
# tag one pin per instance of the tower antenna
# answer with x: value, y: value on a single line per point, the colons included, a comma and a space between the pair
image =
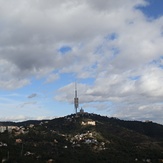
x: 76, y: 100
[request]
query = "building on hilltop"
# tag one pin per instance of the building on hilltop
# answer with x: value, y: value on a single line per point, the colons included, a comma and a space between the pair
x: 81, y: 111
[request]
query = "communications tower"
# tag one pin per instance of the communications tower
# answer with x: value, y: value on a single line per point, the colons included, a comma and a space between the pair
x: 76, y: 100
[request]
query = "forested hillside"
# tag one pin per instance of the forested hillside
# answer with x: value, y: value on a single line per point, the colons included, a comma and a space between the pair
x: 84, y: 138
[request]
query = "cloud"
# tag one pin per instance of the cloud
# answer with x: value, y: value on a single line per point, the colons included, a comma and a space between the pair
x: 32, y: 95
x: 15, y: 119
x: 28, y: 103
x: 20, y: 118
x: 111, y: 42
x: 52, y: 78
x: 40, y: 31
x: 138, y: 98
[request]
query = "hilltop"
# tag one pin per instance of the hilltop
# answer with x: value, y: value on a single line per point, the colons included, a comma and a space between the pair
x: 84, y: 138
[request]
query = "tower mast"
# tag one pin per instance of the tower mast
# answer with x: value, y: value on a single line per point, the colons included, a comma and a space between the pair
x: 76, y: 100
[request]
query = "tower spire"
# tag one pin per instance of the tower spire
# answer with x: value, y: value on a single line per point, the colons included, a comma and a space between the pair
x: 76, y: 100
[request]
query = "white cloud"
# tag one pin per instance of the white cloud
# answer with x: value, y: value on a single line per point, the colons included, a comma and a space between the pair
x: 32, y: 31
x: 52, y: 78
x: 127, y: 98
x: 20, y: 118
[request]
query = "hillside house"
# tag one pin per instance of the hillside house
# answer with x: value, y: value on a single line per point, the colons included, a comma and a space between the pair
x: 93, y: 123
x: 3, y: 129
x: 18, y: 141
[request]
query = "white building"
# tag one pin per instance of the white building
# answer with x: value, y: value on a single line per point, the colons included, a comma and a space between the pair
x: 93, y: 123
x: 3, y: 129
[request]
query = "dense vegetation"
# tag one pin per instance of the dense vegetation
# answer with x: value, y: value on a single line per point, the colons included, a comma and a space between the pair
x: 65, y: 140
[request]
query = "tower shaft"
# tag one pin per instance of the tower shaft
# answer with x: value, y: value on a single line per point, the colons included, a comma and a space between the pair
x: 76, y: 100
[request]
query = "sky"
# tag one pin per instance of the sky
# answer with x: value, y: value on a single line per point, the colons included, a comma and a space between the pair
x: 112, y: 49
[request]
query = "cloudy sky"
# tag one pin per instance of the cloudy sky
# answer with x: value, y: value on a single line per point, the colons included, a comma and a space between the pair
x: 112, y: 49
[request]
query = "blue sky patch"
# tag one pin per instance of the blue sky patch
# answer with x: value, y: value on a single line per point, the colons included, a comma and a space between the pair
x: 88, y: 81
x: 65, y: 49
x: 154, y: 9
x: 115, y: 51
x: 158, y: 62
x: 134, y: 77
x: 111, y: 36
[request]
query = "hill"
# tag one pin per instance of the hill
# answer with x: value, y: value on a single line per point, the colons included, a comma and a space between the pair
x: 84, y: 138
